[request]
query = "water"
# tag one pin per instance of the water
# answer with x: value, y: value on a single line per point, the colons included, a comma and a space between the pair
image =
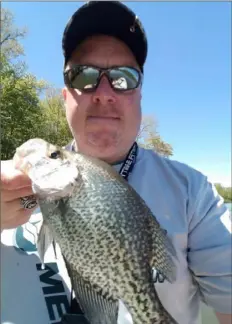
x: 208, y: 316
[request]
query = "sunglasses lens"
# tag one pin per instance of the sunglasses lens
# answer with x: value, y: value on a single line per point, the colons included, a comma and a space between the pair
x: 124, y: 78
x: 84, y: 78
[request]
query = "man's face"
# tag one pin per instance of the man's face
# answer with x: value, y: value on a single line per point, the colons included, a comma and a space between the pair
x: 104, y: 123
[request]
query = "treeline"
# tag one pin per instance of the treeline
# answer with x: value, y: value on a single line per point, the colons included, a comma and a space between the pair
x: 32, y: 108
x: 224, y: 192
x: 29, y: 107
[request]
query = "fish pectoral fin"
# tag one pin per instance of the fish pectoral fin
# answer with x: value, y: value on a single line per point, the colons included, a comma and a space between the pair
x: 97, y: 308
x: 45, y: 239
x: 163, y: 256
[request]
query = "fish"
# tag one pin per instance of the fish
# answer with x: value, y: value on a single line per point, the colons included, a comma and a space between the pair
x: 110, y: 240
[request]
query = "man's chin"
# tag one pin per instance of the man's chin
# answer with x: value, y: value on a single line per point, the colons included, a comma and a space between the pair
x: 103, y: 141
x: 104, y: 148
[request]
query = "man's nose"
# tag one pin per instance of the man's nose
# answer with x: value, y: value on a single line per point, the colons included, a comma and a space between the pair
x: 104, y: 94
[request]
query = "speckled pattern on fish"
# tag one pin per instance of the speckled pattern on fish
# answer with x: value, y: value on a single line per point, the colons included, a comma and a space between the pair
x: 110, y: 241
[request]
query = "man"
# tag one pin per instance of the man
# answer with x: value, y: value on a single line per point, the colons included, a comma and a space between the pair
x: 105, y: 50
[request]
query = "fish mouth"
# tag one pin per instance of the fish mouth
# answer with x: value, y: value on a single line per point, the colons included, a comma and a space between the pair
x: 53, y: 172
x: 53, y: 179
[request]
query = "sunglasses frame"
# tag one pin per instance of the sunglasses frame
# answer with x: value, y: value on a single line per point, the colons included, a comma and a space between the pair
x: 102, y: 71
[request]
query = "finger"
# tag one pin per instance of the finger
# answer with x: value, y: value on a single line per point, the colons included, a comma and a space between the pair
x: 13, y: 206
x: 9, y: 195
x: 12, y: 178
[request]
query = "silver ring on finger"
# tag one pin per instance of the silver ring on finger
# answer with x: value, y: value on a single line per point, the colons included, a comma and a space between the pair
x: 28, y: 202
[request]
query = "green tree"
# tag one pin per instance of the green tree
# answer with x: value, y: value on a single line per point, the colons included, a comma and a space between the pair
x: 224, y: 192
x: 19, y: 106
x: 54, y: 125
x: 20, y: 90
x: 150, y: 138
x: 10, y: 36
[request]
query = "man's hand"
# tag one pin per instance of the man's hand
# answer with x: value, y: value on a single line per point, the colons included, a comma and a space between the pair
x: 14, y: 184
x: 224, y: 318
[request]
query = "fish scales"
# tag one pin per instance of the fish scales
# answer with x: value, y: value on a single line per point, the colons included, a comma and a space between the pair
x: 111, y: 241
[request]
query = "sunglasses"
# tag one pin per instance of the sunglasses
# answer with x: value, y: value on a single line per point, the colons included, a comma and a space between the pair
x: 87, y: 78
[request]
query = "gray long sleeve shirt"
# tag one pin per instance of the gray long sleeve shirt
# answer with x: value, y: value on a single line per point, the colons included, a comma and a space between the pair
x: 185, y: 204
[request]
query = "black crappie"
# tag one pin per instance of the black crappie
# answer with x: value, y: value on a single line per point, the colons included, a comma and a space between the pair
x: 108, y: 236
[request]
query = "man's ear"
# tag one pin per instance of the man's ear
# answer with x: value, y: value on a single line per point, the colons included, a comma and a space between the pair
x: 64, y: 93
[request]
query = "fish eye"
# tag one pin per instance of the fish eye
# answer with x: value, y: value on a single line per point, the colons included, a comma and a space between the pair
x: 55, y: 155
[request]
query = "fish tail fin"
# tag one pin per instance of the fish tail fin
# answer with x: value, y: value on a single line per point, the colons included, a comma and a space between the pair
x: 147, y: 306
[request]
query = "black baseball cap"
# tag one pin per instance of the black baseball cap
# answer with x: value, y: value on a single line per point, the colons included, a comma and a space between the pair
x: 111, y: 18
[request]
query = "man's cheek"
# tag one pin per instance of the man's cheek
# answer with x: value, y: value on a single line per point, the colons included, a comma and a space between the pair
x: 134, y: 98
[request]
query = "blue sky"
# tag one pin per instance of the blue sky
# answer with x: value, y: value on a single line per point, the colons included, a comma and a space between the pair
x: 187, y: 75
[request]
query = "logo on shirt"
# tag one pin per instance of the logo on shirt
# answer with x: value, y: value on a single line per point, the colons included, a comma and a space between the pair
x: 25, y: 237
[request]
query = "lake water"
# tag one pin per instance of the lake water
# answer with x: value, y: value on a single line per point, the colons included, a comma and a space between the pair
x: 208, y: 316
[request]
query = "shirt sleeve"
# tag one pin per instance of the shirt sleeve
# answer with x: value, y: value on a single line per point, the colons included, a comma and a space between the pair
x: 209, y: 247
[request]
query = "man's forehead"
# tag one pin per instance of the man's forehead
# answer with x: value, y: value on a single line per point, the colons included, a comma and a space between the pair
x: 103, y: 46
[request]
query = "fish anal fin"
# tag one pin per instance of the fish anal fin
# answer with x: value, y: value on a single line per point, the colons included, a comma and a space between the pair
x: 97, y: 308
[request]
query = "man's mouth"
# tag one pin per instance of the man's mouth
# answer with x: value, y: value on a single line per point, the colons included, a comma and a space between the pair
x: 103, y: 119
